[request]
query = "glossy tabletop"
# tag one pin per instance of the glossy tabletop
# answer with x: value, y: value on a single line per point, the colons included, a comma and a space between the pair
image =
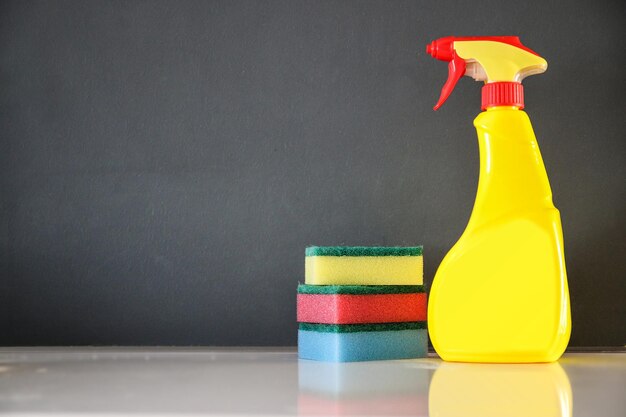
x: 205, y: 381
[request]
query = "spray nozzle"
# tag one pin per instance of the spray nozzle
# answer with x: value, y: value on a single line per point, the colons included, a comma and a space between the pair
x: 499, y: 60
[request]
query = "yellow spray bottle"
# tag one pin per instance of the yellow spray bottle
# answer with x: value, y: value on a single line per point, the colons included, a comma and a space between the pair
x: 500, y: 294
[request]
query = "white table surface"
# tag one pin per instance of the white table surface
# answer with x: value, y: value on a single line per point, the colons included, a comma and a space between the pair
x: 207, y: 381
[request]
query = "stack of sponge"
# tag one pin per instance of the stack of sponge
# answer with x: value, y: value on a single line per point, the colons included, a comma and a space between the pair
x: 362, y: 303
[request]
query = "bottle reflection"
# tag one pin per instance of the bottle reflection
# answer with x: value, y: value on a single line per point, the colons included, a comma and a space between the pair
x: 460, y: 389
x: 364, y: 388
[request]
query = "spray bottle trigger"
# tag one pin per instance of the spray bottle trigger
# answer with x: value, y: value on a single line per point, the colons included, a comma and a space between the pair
x: 456, y: 69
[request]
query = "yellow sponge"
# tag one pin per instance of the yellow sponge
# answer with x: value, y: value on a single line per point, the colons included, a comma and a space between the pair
x: 358, y: 265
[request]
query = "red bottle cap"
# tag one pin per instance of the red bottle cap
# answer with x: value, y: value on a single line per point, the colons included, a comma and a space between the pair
x: 504, y: 93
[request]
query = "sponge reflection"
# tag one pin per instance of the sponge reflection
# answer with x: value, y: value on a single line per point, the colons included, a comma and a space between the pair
x: 364, y: 388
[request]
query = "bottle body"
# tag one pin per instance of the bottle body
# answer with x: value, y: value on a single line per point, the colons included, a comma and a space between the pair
x: 500, y: 294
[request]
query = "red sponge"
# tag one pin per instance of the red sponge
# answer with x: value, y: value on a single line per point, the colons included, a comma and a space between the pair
x: 370, y: 308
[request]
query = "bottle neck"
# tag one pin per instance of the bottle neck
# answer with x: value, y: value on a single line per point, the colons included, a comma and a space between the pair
x: 502, y: 94
x: 512, y: 175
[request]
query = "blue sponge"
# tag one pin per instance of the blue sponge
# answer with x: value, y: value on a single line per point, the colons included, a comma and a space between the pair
x: 362, y: 346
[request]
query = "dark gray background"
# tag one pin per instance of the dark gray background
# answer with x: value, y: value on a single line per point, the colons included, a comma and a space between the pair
x: 164, y: 164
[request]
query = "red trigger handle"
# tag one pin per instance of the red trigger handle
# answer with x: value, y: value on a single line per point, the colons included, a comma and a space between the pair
x: 443, y: 49
x: 456, y: 69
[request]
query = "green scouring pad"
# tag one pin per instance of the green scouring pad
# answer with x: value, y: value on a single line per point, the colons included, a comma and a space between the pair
x: 364, y: 251
x: 354, y: 328
x: 359, y: 289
